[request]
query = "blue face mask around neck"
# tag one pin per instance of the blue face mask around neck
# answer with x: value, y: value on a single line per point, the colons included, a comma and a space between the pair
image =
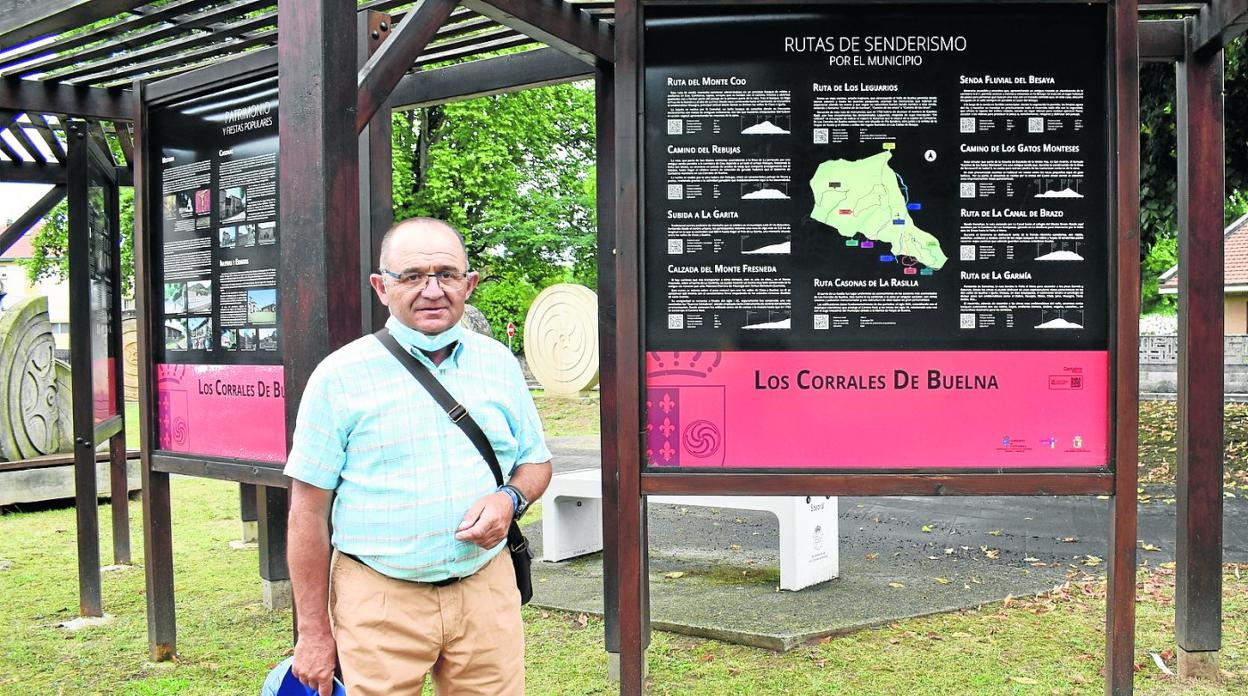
x: 425, y: 342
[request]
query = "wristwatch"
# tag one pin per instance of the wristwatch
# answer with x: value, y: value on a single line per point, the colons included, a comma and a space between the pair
x: 519, y: 503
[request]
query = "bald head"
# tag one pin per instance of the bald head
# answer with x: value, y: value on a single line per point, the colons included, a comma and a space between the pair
x: 415, y: 227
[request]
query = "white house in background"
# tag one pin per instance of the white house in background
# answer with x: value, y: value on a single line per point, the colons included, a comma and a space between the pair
x: 17, y: 287
x: 1235, y: 268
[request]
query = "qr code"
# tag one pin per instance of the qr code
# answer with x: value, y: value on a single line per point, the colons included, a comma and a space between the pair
x: 675, y: 126
x: 821, y: 136
x: 1035, y: 124
x: 966, y: 189
x: 675, y: 321
x: 1076, y: 382
x: 966, y: 321
x: 966, y: 124
x: 675, y: 192
x: 675, y: 246
x: 821, y: 321
x: 966, y: 252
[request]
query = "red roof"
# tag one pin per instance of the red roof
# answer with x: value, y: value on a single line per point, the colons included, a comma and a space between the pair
x: 1235, y: 258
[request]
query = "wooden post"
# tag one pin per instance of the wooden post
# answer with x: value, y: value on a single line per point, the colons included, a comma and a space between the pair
x: 318, y: 189
x: 1198, y: 578
x: 90, y: 602
x: 1120, y: 598
x: 157, y: 519
x: 119, y: 472
x: 272, y: 504
x: 631, y: 576
x: 247, y: 514
x: 376, y: 175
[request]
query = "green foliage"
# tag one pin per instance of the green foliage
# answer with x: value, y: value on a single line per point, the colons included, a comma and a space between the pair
x: 1161, y: 257
x: 514, y: 173
x: 51, y: 244
x: 502, y: 299
x: 1159, y: 162
x: 1236, y: 206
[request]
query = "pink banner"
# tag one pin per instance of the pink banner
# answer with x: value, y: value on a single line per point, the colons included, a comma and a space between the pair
x: 103, y: 390
x: 236, y: 411
x: 871, y: 410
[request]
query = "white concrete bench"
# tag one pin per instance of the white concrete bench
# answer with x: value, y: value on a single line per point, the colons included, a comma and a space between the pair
x: 572, y: 525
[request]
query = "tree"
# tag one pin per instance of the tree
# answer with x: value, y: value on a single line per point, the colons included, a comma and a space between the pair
x: 51, y: 244
x: 514, y: 174
x: 1159, y: 165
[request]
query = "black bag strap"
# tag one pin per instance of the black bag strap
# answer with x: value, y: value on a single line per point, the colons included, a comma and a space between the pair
x: 459, y: 415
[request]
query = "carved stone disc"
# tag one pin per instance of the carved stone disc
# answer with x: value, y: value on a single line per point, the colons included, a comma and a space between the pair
x: 561, y: 339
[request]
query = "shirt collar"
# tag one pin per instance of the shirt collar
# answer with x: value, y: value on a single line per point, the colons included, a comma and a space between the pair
x: 408, y: 337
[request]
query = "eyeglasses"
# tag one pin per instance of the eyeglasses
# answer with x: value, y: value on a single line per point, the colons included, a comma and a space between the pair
x: 416, y: 280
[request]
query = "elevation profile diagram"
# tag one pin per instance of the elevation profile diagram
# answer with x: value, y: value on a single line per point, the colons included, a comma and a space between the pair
x: 765, y: 192
x: 1059, y: 322
x: 761, y: 320
x: 765, y: 124
x: 1053, y: 252
x: 1057, y: 188
x: 765, y: 244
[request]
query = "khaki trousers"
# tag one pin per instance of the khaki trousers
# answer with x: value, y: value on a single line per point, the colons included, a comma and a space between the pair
x: 391, y: 633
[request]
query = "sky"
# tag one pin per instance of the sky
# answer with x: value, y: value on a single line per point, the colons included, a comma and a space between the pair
x: 15, y: 199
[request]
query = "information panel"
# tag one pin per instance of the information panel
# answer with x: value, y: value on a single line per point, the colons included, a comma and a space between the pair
x: 219, y: 367
x: 876, y: 238
x: 102, y: 250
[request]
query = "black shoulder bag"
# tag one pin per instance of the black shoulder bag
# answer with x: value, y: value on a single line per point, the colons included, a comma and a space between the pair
x: 521, y: 554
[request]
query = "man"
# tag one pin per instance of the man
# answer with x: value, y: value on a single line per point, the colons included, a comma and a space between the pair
x: 418, y: 579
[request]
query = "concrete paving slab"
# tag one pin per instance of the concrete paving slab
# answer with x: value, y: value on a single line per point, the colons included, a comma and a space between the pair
x: 975, y: 550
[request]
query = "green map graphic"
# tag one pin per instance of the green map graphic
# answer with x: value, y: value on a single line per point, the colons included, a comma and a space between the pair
x: 865, y: 197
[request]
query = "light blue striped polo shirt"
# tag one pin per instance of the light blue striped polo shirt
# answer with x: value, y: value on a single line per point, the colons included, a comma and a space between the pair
x: 404, y: 474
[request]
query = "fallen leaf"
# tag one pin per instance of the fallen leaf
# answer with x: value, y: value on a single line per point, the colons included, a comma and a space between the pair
x: 995, y: 532
x: 707, y: 657
x: 948, y: 552
x: 582, y: 620
x: 674, y: 575
x: 1092, y: 561
x: 1069, y: 540
x: 943, y: 581
x: 896, y: 585
x: 872, y: 556
x: 1031, y: 559
x: 1149, y: 547
x: 927, y: 528
x: 735, y: 547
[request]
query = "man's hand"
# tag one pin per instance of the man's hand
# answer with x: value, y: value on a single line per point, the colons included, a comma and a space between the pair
x: 316, y: 656
x: 487, y: 521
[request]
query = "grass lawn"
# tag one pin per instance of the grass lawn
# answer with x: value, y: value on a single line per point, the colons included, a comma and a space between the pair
x: 227, y: 640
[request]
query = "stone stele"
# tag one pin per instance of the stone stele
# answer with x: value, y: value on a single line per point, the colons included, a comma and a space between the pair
x: 35, y: 395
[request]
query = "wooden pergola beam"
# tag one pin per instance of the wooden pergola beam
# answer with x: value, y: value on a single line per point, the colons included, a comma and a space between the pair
x: 51, y: 173
x: 200, y: 20
x: 33, y: 214
x: 1162, y: 40
x: 18, y: 130
x: 379, y: 76
x: 554, y: 23
x: 480, y: 78
x: 50, y: 98
x: 1218, y: 23
x: 23, y: 20
x: 160, y: 14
